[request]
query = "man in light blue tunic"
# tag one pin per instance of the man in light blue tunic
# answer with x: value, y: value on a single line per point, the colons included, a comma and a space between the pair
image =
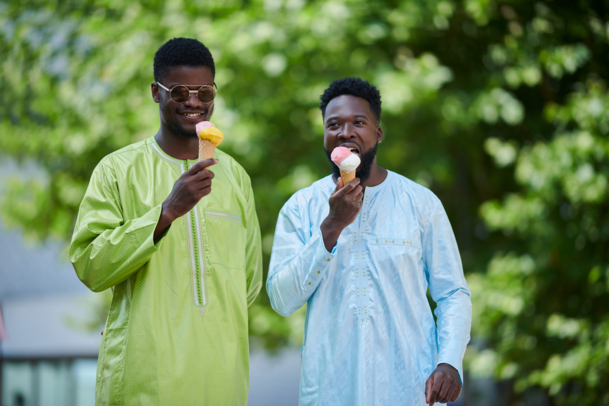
x: 362, y: 256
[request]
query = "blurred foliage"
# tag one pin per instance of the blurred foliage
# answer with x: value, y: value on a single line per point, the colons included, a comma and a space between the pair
x: 500, y: 107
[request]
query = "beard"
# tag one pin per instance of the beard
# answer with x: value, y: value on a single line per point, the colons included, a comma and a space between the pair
x: 177, y: 129
x: 363, y: 170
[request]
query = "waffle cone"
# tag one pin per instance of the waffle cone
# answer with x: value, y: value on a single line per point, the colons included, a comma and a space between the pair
x: 206, y: 149
x: 347, y: 176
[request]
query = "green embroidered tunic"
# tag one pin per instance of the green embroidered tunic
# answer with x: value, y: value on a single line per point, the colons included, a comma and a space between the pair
x: 177, y: 331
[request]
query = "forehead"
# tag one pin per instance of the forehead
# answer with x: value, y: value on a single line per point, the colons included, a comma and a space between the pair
x: 187, y: 75
x: 347, y: 106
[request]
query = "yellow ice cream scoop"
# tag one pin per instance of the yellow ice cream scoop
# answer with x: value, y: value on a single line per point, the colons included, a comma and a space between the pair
x: 209, y: 138
x: 210, y: 133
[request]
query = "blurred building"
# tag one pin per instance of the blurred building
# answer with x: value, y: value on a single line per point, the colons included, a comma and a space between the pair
x: 49, y: 358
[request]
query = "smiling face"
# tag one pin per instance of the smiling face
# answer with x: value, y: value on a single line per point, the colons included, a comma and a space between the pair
x: 181, y: 118
x: 350, y: 123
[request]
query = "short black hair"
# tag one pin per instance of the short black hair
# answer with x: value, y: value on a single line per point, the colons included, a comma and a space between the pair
x: 354, y: 87
x: 181, y: 52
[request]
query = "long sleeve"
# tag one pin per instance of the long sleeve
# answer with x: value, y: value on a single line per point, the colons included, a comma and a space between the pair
x: 298, y: 262
x: 448, y: 288
x: 106, y: 248
x: 253, y: 253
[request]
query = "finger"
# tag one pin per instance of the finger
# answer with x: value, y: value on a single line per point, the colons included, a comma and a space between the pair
x: 357, y: 191
x: 201, y: 165
x: 447, y: 387
x: 203, y: 183
x: 428, y: 387
x: 204, y: 174
x: 348, y: 188
x: 449, y: 394
x: 455, y: 395
x: 339, y: 183
x: 203, y: 192
x: 357, y: 201
x: 437, y: 385
x: 355, y: 181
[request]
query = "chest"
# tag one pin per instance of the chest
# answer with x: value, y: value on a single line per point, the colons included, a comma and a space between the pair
x: 142, y: 188
x: 384, y: 222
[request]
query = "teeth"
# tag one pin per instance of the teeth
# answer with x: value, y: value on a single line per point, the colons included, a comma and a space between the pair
x: 192, y: 115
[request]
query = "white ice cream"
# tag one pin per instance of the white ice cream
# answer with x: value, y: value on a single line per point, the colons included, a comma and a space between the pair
x: 350, y: 163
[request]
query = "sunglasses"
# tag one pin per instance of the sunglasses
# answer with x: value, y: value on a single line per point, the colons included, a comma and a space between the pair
x: 181, y: 93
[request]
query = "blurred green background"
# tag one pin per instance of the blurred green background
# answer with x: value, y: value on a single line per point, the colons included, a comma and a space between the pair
x: 500, y: 107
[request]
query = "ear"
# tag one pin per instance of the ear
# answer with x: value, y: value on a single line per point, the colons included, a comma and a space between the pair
x: 155, y: 92
x: 379, y: 134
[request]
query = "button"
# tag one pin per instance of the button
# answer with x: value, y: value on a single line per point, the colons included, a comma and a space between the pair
x: 309, y: 283
x: 318, y: 271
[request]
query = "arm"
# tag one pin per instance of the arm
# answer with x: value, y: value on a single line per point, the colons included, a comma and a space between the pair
x: 302, y: 256
x: 449, y: 290
x: 297, y: 263
x: 253, y: 253
x: 106, y: 249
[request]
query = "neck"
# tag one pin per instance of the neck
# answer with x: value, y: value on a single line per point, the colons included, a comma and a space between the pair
x: 176, y: 146
x: 377, y: 176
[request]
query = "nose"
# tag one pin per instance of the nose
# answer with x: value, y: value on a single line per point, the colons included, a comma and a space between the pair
x: 348, y: 132
x: 192, y: 101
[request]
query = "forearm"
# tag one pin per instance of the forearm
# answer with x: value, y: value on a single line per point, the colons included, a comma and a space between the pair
x: 165, y: 220
x: 293, y: 280
x: 330, y: 231
x: 454, y: 317
x: 254, y: 257
x: 102, y: 260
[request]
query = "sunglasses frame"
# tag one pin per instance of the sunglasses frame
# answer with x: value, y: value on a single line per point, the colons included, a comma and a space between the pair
x: 190, y: 92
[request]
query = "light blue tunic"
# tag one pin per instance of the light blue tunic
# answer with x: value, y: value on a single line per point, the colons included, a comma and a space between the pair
x: 370, y: 336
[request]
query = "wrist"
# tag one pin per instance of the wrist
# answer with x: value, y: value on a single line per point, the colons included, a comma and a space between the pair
x: 330, y: 232
x: 331, y: 226
x: 167, y: 216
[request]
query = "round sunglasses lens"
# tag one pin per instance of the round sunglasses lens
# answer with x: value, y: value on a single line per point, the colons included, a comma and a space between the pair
x: 180, y: 94
x: 206, y: 94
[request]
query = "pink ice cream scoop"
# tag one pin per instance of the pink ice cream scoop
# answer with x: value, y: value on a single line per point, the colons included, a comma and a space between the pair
x: 202, y: 125
x: 339, y: 155
x: 347, y: 162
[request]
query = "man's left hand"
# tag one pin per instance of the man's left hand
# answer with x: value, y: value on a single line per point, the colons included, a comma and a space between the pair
x: 443, y: 385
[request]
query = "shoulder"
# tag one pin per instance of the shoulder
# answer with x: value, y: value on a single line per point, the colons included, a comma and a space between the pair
x: 124, y: 156
x: 421, y: 195
x: 417, y: 197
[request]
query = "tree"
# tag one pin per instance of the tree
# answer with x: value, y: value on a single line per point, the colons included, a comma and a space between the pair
x: 497, y: 106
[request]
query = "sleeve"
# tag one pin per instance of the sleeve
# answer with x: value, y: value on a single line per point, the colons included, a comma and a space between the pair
x: 253, y: 253
x: 448, y: 289
x: 298, y: 262
x: 106, y: 248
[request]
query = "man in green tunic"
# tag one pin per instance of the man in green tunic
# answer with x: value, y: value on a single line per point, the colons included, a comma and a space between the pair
x: 184, y: 262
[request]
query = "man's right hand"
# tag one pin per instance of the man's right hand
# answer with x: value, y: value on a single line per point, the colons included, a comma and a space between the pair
x: 345, y: 205
x: 187, y: 191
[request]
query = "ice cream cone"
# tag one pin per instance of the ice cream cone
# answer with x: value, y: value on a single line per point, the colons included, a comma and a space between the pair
x: 347, y: 176
x: 206, y: 149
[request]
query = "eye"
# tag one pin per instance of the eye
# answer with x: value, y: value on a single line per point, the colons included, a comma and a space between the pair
x: 330, y: 125
x: 360, y: 122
